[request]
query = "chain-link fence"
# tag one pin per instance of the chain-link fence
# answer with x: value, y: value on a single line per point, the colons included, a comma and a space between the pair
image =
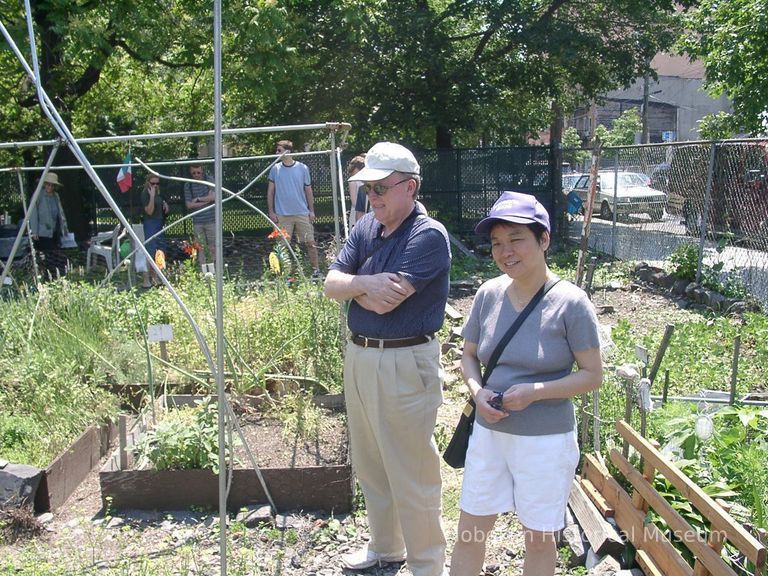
x: 459, y: 187
x: 652, y: 199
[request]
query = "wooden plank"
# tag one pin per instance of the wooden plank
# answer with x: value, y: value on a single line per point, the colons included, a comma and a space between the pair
x: 645, y: 562
x: 649, y: 473
x: 452, y: 313
x: 684, y: 532
x: 602, y: 537
x: 597, y: 499
x: 643, y: 535
x: 720, y: 519
x: 460, y: 245
x: 715, y: 542
x: 326, y: 488
x: 69, y: 469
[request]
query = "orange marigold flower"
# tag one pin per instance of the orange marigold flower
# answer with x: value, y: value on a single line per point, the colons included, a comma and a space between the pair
x: 277, y: 233
x: 160, y: 259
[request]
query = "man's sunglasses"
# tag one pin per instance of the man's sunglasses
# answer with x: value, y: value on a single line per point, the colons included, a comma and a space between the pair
x: 381, y: 189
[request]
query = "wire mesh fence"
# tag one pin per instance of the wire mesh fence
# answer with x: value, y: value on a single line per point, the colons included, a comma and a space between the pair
x: 651, y: 200
x: 459, y: 186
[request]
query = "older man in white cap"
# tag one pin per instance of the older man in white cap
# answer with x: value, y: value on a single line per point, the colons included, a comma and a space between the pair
x: 395, y: 270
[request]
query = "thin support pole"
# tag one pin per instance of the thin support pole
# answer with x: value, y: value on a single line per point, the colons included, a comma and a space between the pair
x: 705, y: 213
x: 336, y: 193
x: 29, y: 232
x: 735, y: 367
x: 627, y: 413
x: 670, y: 328
x: 596, y: 420
x: 615, y: 202
x: 223, y: 404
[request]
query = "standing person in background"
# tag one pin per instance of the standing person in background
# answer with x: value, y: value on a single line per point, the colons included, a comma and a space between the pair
x: 48, y: 223
x: 196, y: 197
x: 523, y: 453
x: 358, y: 198
x: 395, y: 268
x: 154, y: 211
x: 291, y: 203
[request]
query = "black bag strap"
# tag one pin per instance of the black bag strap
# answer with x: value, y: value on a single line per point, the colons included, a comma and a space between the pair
x: 515, y: 326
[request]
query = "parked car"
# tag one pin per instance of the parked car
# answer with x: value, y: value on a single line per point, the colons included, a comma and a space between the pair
x: 633, y: 195
x: 569, y: 181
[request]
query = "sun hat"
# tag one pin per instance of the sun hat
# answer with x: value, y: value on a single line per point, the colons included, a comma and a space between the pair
x: 52, y: 178
x: 514, y: 207
x: 383, y: 159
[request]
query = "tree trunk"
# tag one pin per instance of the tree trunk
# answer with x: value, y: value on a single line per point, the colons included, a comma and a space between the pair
x: 443, y: 138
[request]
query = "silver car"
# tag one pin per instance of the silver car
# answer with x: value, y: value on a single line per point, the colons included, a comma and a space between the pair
x: 633, y: 195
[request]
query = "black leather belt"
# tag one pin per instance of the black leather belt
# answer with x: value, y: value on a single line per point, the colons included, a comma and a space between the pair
x: 366, y: 342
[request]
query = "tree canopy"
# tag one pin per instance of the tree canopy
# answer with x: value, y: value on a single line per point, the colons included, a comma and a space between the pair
x: 731, y: 38
x: 426, y: 72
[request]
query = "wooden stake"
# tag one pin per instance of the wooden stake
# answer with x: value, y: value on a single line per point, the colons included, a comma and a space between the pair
x: 735, y: 367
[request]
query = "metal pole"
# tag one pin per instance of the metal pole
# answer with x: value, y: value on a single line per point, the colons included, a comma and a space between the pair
x: 343, y: 193
x: 26, y: 219
x: 705, y: 213
x: 615, y: 200
x: 334, y: 181
x: 188, y: 134
x: 165, y: 163
x: 219, y: 287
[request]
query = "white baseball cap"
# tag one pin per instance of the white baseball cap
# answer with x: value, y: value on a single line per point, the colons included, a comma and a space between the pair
x: 383, y: 159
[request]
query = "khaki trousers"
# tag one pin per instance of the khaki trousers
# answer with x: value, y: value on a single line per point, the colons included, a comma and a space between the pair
x: 205, y: 234
x: 392, y: 396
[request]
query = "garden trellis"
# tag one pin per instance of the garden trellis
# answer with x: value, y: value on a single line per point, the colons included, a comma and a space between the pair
x: 66, y: 138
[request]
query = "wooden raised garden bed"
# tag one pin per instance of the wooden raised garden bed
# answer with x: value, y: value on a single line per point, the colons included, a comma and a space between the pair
x: 325, y: 487
x: 70, y: 468
x: 655, y: 553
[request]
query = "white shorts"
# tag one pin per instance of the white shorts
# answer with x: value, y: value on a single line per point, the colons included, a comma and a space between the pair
x: 528, y: 475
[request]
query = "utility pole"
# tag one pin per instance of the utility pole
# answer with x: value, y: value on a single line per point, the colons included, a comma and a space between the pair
x: 645, y: 138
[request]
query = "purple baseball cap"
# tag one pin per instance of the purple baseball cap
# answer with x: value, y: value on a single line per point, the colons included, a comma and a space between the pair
x: 514, y: 207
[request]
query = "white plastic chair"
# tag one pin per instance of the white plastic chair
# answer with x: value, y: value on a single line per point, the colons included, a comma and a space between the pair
x: 106, y: 245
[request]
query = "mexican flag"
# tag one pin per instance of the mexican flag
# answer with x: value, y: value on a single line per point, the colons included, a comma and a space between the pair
x: 125, y: 177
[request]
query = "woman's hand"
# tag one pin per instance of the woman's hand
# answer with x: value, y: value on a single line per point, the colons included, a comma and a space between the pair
x: 483, y: 400
x: 520, y: 396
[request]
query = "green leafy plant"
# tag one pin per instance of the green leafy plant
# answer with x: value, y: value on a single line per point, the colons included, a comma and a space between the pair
x: 185, y: 438
x: 684, y: 261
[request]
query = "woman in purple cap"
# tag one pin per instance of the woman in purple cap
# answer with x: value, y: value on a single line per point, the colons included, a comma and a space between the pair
x: 523, y: 453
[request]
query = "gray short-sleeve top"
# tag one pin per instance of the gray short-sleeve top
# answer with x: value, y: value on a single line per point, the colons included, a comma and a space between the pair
x: 541, y: 350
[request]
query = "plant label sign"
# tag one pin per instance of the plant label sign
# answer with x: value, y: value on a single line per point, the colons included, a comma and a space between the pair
x: 642, y: 354
x: 159, y: 333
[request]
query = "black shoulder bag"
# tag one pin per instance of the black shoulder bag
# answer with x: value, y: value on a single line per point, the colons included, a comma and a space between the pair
x: 456, y: 452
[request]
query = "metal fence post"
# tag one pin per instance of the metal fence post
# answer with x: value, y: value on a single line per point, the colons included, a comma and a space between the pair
x: 615, y: 200
x: 458, y: 187
x: 705, y: 214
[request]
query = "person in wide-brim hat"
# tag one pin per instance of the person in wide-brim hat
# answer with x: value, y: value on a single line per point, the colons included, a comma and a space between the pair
x: 48, y: 223
x: 52, y: 178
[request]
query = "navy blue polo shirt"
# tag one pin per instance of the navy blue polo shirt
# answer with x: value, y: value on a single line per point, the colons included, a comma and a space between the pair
x: 420, y: 251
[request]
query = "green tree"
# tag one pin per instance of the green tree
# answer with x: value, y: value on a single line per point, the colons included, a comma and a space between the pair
x: 427, y: 72
x: 731, y: 38
x: 717, y: 126
x: 623, y: 130
x: 573, y: 151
